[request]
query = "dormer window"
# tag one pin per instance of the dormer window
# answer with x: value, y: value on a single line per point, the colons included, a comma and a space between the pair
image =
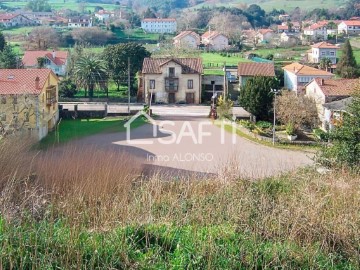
x: 172, y: 72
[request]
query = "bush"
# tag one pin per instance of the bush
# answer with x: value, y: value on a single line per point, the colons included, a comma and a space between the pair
x: 224, y: 108
x: 247, y: 124
x: 321, y: 135
x: 290, y: 129
x: 264, y: 125
x: 67, y: 88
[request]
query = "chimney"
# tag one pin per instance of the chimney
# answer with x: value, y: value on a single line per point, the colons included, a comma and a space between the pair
x: 53, y: 54
x: 37, y: 83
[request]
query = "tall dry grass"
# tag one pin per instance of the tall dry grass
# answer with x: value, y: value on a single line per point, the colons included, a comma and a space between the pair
x: 100, y: 190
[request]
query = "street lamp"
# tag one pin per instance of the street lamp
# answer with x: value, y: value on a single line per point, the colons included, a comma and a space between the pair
x: 213, y: 96
x: 275, y: 91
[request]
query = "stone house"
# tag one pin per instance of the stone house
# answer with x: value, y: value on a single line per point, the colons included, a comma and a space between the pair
x: 171, y: 80
x: 215, y: 41
x: 28, y: 101
x: 14, y: 20
x: 264, y: 35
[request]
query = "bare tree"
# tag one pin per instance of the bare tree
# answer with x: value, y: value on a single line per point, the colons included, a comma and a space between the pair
x: 91, y: 35
x: 42, y: 38
x: 296, y: 109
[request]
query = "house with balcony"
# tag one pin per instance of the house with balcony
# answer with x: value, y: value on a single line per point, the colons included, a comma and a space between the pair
x: 28, y: 101
x: 187, y: 39
x: 323, y: 50
x: 170, y: 80
x: 327, y: 93
x: 297, y: 76
x: 351, y: 27
x: 159, y: 25
x: 55, y: 60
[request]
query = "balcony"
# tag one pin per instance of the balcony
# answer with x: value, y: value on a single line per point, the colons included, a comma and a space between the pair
x: 51, y: 97
x: 171, y: 84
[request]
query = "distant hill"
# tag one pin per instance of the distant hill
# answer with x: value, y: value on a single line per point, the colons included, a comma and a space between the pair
x: 278, y: 4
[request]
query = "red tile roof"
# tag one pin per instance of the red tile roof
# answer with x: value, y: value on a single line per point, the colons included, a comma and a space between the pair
x: 325, y: 45
x: 22, y: 81
x: 265, y: 31
x: 189, y: 65
x: 185, y: 33
x: 352, y: 23
x: 315, y: 26
x: 211, y: 34
x: 30, y: 57
x: 256, y: 69
x: 337, y: 87
x: 283, y: 27
x: 300, y: 69
x: 7, y: 16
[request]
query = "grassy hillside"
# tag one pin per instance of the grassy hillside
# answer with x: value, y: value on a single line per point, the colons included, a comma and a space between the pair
x: 94, y: 210
x: 279, y: 4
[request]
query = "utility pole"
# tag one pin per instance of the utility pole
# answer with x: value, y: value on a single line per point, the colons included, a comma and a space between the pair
x: 275, y: 91
x: 225, y: 82
x: 129, y: 85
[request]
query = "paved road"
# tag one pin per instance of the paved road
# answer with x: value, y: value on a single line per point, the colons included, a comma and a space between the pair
x: 179, y: 147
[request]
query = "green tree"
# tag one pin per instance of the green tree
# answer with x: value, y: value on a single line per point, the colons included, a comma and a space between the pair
x: 347, y: 66
x: 67, y: 88
x: 8, y: 58
x: 116, y: 58
x: 325, y: 63
x: 345, y: 139
x: 41, y: 62
x: 256, y: 96
x: 38, y: 6
x: 2, y: 41
x: 90, y: 73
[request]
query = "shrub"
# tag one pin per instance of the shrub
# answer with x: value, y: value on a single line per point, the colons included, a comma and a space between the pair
x: 67, y: 88
x: 264, y: 125
x: 224, y: 108
x: 320, y: 134
x: 290, y: 129
x: 247, y: 124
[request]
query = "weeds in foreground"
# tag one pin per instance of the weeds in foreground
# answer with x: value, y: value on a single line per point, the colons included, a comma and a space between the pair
x: 85, y: 208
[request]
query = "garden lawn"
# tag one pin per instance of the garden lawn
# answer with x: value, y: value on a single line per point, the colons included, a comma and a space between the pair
x: 79, y: 128
x: 218, y: 60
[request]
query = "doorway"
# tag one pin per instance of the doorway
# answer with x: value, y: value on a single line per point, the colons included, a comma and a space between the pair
x: 171, y: 98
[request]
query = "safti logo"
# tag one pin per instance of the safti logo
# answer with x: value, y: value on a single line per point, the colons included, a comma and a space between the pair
x: 197, y: 134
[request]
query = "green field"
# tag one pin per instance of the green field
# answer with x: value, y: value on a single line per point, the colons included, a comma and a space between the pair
x: 64, y: 4
x: 216, y: 60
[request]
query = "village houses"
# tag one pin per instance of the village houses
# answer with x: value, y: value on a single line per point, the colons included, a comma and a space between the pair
x: 264, y: 35
x: 80, y: 21
x: 296, y: 76
x: 187, y: 39
x: 14, y: 20
x: 323, y: 50
x: 325, y: 91
x: 315, y: 32
x: 214, y: 41
x: 351, y: 27
x: 171, y: 80
x: 28, y: 101
x: 55, y: 60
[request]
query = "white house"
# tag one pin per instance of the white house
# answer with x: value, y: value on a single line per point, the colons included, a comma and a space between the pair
x: 171, y: 80
x: 167, y: 25
x: 56, y: 60
x: 104, y: 15
x: 13, y: 20
x: 187, y: 39
x: 315, y: 32
x: 215, y: 41
x: 324, y: 91
x: 81, y: 21
x: 323, y: 50
x: 349, y: 27
x: 296, y: 76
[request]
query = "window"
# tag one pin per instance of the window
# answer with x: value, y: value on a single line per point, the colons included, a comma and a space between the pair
x: 152, y: 84
x: 3, y: 100
x: 14, y: 99
x: 190, y: 84
x: 323, y: 53
x: 332, y: 53
x: 171, y: 72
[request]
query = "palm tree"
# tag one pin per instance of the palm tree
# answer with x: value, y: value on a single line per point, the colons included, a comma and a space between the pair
x: 90, y: 72
x: 325, y: 63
